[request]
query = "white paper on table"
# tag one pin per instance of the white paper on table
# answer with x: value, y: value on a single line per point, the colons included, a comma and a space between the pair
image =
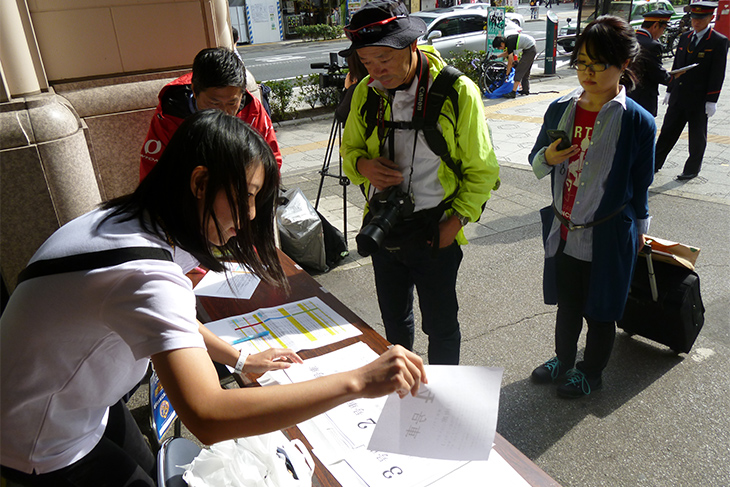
x: 353, y: 469
x: 300, y: 325
x: 453, y: 417
x: 496, y: 472
x: 354, y: 420
x: 238, y: 282
x: 381, y: 469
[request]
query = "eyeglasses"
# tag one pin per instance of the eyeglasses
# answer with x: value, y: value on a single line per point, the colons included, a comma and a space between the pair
x: 372, y: 31
x: 595, y: 67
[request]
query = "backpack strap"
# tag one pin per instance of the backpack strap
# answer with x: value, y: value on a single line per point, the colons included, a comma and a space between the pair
x: 441, y: 89
x: 369, y: 111
x: 91, y: 260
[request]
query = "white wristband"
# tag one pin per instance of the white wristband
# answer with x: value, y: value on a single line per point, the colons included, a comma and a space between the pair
x: 241, y: 361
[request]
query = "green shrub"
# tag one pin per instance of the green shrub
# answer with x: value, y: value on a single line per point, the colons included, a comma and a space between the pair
x: 280, y: 99
x: 463, y: 62
x: 320, y: 31
x: 308, y: 89
x: 329, y: 97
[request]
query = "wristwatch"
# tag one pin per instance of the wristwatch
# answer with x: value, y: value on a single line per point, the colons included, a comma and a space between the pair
x: 462, y: 219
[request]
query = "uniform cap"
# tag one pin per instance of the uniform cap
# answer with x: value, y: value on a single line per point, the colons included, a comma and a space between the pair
x: 702, y: 9
x: 658, y: 16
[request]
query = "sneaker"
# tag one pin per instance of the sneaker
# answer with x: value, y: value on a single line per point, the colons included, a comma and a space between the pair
x: 524, y: 93
x: 511, y: 94
x: 578, y: 385
x: 548, y: 372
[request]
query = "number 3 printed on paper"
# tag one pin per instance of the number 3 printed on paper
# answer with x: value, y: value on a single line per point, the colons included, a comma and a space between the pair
x: 366, y: 424
x: 389, y: 474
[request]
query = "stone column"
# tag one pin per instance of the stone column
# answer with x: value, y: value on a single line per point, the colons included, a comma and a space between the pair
x: 45, y: 165
x: 21, y: 67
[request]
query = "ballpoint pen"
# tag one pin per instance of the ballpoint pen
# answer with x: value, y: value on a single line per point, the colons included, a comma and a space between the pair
x: 251, y: 337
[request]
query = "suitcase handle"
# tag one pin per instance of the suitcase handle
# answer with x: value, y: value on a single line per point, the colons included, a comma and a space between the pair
x: 646, y: 251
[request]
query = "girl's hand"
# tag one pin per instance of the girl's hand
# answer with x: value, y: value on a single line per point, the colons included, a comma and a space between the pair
x: 271, y: 359
x: 554, y: 157
x: 397, y: 370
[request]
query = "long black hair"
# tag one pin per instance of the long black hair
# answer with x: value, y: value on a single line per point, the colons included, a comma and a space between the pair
x: 166, y: 205
x: 610, y: 39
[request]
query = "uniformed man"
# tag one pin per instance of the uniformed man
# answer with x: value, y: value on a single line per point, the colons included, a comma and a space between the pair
x: 692, y: 97
x: 651, y: 72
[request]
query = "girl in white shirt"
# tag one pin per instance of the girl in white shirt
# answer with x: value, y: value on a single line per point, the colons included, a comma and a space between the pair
x: 72, y: 344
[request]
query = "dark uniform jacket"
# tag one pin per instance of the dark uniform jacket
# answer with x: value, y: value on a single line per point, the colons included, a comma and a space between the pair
x: 651, y: 72
x: 703, y: 83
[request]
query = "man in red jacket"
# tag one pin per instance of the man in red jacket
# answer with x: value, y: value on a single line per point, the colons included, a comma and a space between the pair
x: 218, y: 81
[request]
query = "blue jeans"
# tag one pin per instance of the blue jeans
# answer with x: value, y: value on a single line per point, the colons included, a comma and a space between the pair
x: 397, y: 272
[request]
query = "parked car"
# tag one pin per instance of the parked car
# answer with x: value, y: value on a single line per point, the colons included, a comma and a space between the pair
x: 513, y: 16
x: 621, y: 9
x: 459, y: 30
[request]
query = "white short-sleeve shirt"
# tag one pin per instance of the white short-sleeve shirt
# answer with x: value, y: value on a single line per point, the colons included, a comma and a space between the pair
x: 73, y: 344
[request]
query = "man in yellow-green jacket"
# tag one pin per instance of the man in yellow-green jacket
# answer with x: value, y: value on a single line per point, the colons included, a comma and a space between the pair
x: 419, y: 201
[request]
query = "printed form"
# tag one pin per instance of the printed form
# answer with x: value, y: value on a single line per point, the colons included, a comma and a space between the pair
x: 300, y: 325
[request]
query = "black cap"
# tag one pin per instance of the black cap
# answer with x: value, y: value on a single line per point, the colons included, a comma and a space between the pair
x: 382, y: 23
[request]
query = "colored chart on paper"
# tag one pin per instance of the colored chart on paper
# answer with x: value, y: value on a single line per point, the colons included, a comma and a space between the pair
x: 300, y: 325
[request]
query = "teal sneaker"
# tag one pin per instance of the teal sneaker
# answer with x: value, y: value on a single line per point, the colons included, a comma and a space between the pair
x: 548, y: 372
x: 578, y: 385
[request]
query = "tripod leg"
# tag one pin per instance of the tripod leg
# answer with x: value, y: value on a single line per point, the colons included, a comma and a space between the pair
x: 327, y: 158
x: 344, y: 182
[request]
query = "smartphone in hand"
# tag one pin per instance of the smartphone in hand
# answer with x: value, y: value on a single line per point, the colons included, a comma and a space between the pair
x: 560, y: 134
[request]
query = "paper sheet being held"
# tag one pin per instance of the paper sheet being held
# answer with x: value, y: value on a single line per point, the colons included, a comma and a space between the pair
x: 453, y: 417
x: 238, y: 282
x: 686, y: 68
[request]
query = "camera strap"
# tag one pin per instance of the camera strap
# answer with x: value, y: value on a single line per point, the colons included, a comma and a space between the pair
x: 419, y: 113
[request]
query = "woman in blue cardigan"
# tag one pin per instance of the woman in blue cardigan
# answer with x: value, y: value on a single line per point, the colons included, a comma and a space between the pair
x: 596, y: 224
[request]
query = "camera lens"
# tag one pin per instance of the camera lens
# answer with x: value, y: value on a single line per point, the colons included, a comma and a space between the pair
x: 369, y: 240
x: 372, y: 235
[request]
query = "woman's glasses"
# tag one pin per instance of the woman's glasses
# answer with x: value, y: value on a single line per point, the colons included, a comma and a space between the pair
x: 373, y: 30
x: 595, y: 67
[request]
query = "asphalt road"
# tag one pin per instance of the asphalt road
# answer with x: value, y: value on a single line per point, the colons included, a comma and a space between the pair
x: 289, y: 59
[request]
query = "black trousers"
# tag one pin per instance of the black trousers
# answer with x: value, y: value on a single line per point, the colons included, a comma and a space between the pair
x: 121, y: 459
x: 677, y: 116
x: 573, y: 278
x: 397, y: 272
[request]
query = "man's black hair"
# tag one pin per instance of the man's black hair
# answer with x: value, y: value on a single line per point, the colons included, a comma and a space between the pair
x: 165, y: 204
x: 217, y: 67
x: 498, y: 41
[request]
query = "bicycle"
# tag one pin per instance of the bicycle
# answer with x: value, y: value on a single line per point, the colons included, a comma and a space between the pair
x: 492, y: 73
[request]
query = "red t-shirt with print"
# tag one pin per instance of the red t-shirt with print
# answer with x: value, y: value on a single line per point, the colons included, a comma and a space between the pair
x: 582, y: 132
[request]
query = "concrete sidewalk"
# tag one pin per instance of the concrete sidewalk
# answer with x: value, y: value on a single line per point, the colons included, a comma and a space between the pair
x: 661, y: 418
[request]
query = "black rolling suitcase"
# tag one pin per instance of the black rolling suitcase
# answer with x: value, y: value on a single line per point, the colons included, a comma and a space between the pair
x: 664, y: 304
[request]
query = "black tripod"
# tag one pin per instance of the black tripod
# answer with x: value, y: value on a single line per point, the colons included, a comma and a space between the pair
x: 335, y: 136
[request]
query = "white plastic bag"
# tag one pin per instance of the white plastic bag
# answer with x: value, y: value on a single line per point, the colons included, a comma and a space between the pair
x: 300, y: 229
x: 256, y: 461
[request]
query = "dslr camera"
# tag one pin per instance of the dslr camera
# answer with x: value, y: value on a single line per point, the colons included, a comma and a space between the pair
x: 334, y: 77
x: 388, y: 208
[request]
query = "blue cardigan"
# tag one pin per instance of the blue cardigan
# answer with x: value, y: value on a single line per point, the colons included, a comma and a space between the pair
x: 615, y: 242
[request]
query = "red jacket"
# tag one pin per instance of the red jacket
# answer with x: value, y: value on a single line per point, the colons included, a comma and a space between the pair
x: 176, y: 104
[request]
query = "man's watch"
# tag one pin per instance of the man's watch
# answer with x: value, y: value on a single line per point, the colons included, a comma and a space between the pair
x: 462, y: 219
